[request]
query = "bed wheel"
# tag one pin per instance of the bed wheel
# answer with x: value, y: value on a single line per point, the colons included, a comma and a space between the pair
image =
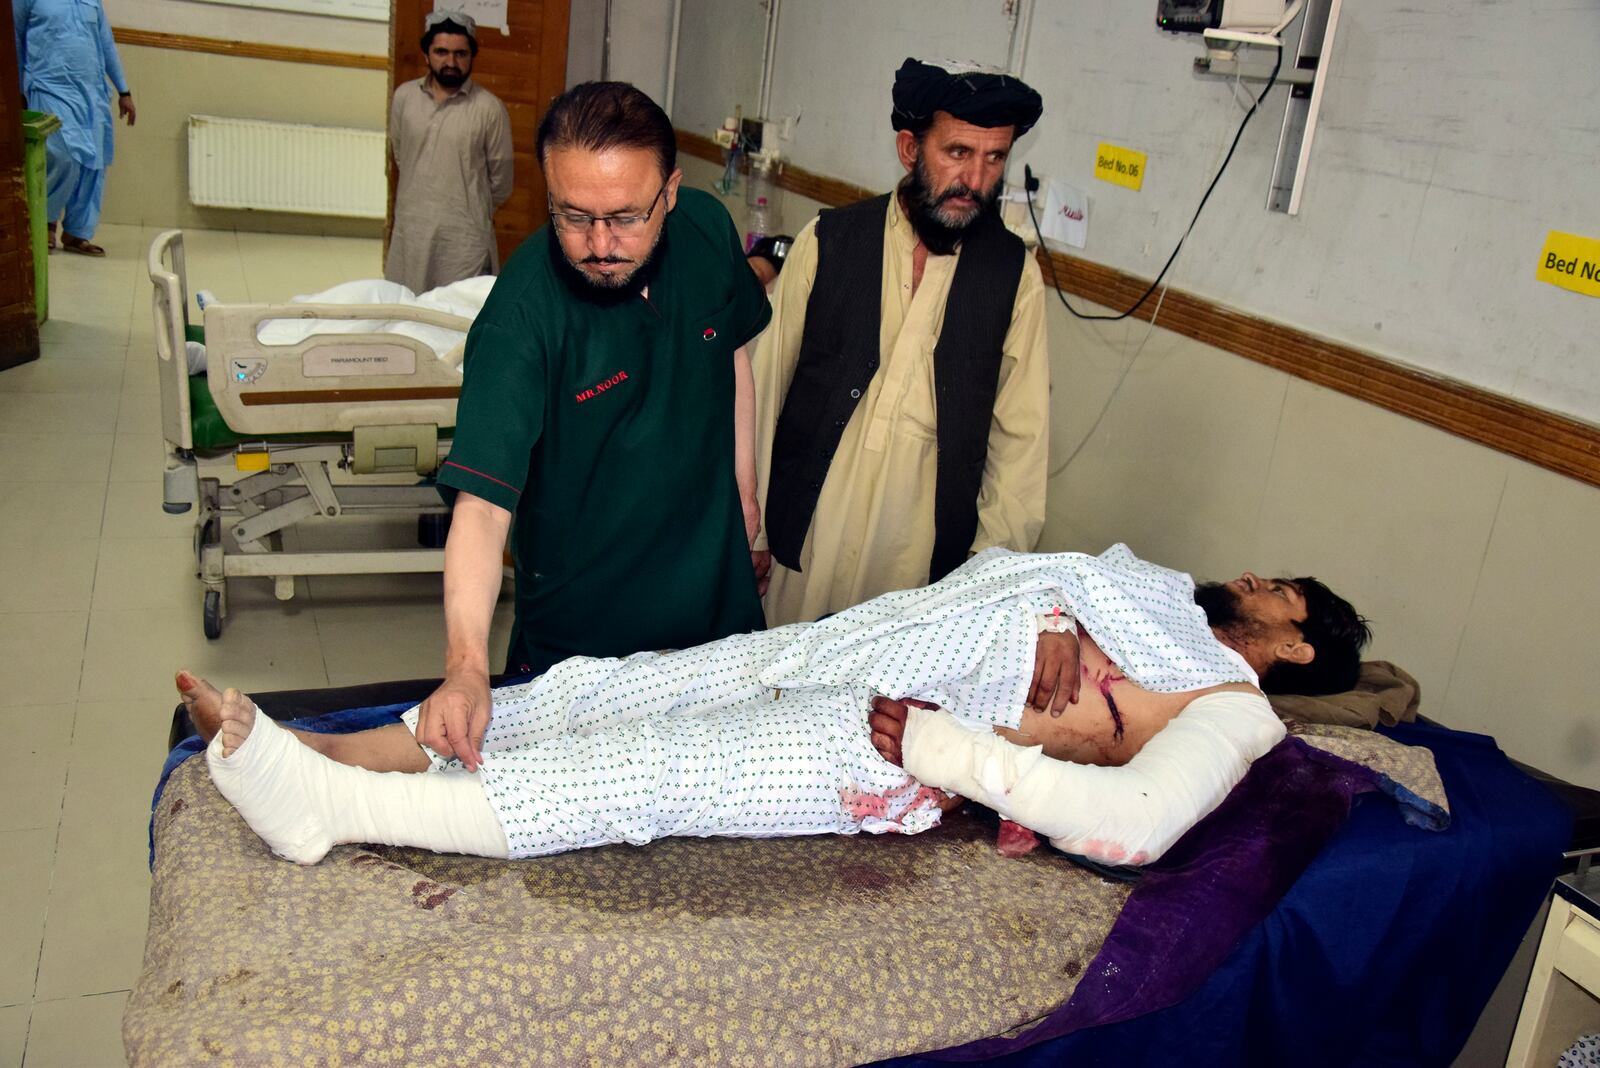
x: 212, y: 616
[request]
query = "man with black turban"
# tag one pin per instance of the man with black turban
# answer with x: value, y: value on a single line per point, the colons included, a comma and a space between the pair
x: 903, y: 389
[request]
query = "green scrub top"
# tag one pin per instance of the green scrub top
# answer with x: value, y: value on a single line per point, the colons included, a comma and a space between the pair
x: 606, y: 428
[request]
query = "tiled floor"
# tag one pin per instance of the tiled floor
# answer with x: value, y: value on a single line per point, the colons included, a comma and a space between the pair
x: 98, y: 605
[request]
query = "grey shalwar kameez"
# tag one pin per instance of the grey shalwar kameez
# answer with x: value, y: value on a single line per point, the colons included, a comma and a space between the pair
x: 455, y: 169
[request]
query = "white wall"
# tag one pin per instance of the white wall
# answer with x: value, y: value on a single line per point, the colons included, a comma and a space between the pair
x: 1453, y: 137
x: 148, y: 183
x: 260, y: 26
x: 637, y: 52
x: 720, y: 47
x: 586, y: 41
x: 835, y: 65
x: 641, y: 31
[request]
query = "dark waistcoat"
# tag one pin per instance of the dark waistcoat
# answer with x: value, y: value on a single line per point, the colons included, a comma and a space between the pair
x: 839, y: 355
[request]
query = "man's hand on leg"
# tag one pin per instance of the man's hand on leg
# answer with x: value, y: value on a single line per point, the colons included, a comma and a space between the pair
x: 452, y: 721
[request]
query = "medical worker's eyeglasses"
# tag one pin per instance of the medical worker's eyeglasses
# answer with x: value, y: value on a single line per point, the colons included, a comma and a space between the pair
x: 620, y: 225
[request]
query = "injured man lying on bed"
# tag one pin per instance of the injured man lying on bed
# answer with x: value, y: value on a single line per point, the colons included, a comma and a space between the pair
x: 1103, y: 702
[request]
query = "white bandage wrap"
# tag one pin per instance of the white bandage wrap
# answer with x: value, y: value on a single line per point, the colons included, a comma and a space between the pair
x: 1122, y: 815
x: 302, y: 804
x: 1055, y: 622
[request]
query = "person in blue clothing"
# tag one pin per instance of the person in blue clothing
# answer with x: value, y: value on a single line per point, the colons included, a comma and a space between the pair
x: 66, y: 55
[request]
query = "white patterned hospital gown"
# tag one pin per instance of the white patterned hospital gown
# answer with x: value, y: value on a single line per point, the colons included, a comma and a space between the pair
x: 765, y: 734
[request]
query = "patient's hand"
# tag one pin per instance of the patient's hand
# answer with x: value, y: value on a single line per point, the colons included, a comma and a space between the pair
x: 1055, y: 673
x: 453, y: 719
x: 888, y: 723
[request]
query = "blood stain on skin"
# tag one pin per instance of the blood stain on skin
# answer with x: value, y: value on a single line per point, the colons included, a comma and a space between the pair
x: 1111, y: 703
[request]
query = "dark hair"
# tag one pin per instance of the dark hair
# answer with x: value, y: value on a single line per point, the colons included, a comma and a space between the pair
x: 1336, y: 631
x: 447, y: 26
x: 603, y: 115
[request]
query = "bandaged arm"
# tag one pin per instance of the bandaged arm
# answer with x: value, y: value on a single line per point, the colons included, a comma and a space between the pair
x: 1122, y: 815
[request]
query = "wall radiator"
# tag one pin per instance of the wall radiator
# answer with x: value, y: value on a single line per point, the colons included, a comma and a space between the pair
x: 280, y: 166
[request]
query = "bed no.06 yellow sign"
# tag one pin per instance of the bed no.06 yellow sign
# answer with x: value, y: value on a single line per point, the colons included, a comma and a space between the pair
x: 1119, y: 166
x: 1571, y: 262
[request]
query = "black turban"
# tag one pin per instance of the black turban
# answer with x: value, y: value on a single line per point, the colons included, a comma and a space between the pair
x: 987, y: 100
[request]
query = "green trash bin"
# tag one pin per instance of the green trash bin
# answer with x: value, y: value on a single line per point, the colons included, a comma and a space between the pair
x: 36, y: 127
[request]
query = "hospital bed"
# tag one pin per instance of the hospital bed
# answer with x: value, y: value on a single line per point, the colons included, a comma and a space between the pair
x: 1343, y: 935
x: 334, y: 427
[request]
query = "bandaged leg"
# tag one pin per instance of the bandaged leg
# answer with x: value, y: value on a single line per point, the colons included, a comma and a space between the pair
x: 1119, y: 815
x: 302, y: 804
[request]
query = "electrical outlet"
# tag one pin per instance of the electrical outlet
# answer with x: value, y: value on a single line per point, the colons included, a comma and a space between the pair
x: 750, y: 134
x: 1014, y: 213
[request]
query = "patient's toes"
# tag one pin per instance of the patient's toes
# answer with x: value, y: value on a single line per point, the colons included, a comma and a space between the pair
x: 204, y: 702
x: 237, y: 714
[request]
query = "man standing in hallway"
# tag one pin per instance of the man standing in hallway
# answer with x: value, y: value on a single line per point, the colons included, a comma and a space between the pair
x: 66, y: 55
x: 451, y: 141
x: 903, y: 388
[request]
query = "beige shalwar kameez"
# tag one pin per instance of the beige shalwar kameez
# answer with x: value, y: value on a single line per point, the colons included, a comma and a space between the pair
x: 454, y: 163
x: 873, y: 528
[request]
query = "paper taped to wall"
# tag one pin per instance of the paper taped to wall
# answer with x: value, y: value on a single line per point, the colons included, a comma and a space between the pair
x: 1571, y: 262
x: 1066, y: 214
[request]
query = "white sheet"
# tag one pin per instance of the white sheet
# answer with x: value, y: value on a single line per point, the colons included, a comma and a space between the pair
x: 464, y: 298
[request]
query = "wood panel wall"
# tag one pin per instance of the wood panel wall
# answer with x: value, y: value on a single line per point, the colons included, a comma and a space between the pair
x: 1555, y: 442
x: 19, y: 329
x: 526, y: 69
x: 218, y: 46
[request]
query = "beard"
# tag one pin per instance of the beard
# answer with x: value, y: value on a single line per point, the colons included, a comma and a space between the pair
x: 452, y: 77
x: 1222, y: 609
x: 608, y: 289
x: 940, y: 228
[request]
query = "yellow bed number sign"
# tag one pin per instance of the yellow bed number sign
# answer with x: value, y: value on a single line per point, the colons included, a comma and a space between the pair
x: 1571, y: 262
x: 1119, y: 166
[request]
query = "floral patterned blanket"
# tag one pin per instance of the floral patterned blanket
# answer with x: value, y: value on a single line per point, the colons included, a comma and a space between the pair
x: 825, y: 951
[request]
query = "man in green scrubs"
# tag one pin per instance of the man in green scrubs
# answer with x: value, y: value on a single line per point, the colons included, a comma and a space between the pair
x: 608, y: 407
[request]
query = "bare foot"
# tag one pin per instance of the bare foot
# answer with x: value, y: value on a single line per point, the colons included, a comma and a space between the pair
x: 203, y: 702
x: 238, y: 716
